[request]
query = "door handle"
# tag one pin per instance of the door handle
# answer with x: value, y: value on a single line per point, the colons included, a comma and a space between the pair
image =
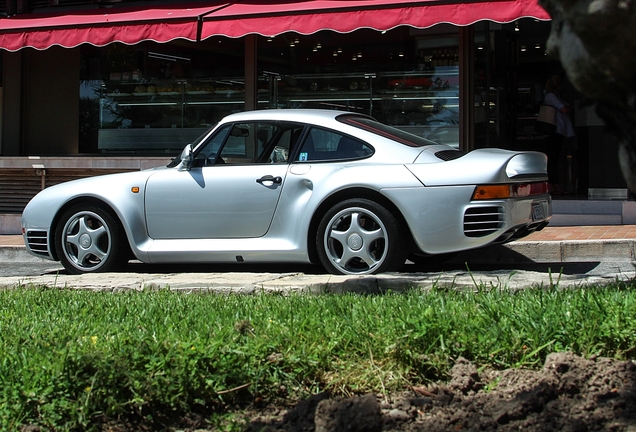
x: 269, y: 178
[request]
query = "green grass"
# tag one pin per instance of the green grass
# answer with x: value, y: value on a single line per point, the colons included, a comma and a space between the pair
x: 69, y: 359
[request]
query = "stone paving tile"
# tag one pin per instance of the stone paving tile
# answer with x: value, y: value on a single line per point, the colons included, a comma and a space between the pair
x: 581, y: 233
x: 11, y: 240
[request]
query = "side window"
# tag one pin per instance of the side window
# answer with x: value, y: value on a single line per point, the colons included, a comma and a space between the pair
x: 207, y: 151
x: 322, y: 144
x: 247, y: 142
x: 282, y: 145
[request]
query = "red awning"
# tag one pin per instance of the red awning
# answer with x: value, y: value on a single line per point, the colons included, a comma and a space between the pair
x: 271, y: 17
x: 199, y: 21
x: 100, y: 27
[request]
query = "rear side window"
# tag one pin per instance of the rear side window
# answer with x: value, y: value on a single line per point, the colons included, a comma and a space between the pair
x: 322, y: 145
x: 370, y: 125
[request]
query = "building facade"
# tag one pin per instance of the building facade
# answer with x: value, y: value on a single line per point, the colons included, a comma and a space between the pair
x: 92, y: 86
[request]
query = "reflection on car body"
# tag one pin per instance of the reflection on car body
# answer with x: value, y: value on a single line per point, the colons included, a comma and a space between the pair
x: 320, y: 186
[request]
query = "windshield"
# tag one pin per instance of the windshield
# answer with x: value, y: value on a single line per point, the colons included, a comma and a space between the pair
x: 370, y: 125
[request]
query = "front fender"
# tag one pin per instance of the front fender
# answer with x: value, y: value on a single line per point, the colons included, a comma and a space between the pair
x: 114, y: 190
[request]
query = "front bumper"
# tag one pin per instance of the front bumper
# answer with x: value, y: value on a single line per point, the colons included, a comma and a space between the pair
x: 37, y: 243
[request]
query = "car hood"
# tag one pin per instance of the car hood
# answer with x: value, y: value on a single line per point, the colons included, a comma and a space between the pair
x: 484, y: 166
x: 101, y: 185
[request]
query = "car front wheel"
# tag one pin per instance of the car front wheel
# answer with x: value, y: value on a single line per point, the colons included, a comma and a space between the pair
x: 88, y: 239
x: 360, y: 236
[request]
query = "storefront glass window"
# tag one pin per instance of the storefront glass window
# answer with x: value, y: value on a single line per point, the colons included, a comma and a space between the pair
x: 155, y: 98
x: 1, y: 104
x: 404, y: 77
x: 511, y: 67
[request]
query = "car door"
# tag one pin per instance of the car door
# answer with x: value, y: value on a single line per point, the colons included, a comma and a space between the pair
x: 228, y: 194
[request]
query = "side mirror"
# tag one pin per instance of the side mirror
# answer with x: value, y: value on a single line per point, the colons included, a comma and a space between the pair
x: 186, y: 158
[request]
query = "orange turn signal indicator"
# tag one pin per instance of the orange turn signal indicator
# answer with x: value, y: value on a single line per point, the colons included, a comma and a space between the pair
x: 492, y: 192
x: 134, y: 189
x: 513, y: 190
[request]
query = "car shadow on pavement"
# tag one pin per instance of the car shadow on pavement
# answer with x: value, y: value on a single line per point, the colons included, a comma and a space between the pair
x: 138, y: 267
x: 570, y: 268
x: 489, y: 259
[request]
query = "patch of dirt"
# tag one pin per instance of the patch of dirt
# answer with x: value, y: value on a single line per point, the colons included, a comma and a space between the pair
x: 569, y: 394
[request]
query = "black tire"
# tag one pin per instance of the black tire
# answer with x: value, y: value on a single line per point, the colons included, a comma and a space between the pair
x: 360, y: 236
x: 89, y: 240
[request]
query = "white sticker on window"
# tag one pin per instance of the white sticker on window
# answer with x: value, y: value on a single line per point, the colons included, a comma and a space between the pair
x: 303, y: 157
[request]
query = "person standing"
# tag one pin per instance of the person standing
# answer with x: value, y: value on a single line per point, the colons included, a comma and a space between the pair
x: 564, y: 131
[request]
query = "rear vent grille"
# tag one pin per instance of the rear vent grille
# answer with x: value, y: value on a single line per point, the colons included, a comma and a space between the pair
x: 38, y: 243
x: 447, y: 155
x: 482, y: 221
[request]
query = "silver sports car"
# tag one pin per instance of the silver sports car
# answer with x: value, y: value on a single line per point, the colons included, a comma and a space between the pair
x: 298, y: 186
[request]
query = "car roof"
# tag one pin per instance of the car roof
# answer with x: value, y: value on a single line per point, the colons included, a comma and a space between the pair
x: 395, y: 151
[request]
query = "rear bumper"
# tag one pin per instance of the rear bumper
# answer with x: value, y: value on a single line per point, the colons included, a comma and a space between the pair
x: 445, y: 219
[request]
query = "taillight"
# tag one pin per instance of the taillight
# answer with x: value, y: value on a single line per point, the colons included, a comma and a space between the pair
x: 529, y: 189
x: 512, y: 190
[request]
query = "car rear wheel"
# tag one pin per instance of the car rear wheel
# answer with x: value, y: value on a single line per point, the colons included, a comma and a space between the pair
x: 88, y: 239
x: 360, y: 236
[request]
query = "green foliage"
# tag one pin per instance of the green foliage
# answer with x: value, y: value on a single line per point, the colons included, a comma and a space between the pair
x: 69, y: 358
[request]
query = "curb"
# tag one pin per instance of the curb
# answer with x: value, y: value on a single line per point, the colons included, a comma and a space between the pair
x: 17, y: 254
x: 565, y: 251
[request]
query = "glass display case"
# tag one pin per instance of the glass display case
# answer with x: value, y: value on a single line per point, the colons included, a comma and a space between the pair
x: 425, y: 102
x: 164, y: 115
